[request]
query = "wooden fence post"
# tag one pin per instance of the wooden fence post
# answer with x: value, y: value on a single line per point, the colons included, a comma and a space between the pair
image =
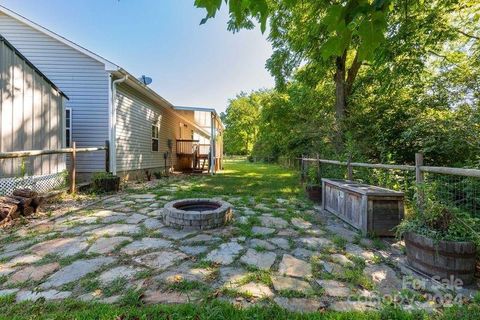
x: 73, y: 165
x: 319, y: 178
x: 107, y: 156
x: 419, y: 180
x: 349, y: 168
x: 302, y: 170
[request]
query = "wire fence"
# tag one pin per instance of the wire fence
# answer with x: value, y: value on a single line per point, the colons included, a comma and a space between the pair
x: 455, y: 187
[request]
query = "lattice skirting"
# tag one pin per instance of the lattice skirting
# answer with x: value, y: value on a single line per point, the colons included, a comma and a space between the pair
x: 40, y: 183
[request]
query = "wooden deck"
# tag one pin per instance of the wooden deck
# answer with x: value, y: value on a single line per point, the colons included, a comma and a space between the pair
x: 192, y: 156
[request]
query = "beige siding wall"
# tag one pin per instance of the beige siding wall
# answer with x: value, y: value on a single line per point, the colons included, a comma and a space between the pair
x: 31, y: 117
x: 135, y: 116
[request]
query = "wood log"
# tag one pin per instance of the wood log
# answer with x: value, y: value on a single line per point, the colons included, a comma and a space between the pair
x: 27, y: 211
x: 9, y: 200
x: 36, y: 203
x: 26, y: 193
x: 23, y: 201
x: 7, y: 210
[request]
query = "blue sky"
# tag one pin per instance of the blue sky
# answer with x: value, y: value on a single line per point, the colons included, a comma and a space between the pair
x: 190, y: 64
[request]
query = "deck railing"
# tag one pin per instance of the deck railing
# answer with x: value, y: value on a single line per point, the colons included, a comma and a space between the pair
x: 192, y: 146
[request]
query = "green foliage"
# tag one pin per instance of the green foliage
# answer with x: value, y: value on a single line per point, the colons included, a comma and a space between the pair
x: 438, y: 221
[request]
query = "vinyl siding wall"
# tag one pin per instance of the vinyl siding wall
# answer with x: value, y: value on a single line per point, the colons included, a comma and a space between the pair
x: 135, y: 116
x: 31, y: 117
x: 83, y: 79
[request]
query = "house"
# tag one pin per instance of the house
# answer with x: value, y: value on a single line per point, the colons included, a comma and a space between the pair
x: 32, y: 117
x: 209, y: 120
x: 106, y: 103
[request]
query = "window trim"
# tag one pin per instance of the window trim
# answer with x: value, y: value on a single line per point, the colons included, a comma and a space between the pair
x: 155, y: 135
x: 68, y: 139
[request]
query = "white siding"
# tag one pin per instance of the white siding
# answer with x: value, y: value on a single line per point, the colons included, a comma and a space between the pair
x: 31, y: 117
x: 135, y: 116
x: 83, y: 79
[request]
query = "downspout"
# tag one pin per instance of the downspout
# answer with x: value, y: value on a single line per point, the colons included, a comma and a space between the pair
x: 113, y: 133
x: 212, y: 144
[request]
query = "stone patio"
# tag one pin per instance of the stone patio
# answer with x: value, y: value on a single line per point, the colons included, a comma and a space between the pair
x: 265, y: 255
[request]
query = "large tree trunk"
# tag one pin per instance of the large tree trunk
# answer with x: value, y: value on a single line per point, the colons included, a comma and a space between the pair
x: 343, y: 88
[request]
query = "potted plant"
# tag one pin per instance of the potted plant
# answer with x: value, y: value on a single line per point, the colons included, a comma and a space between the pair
x: 106, y: 182
x: 441, y: 241
x: 313, y: 186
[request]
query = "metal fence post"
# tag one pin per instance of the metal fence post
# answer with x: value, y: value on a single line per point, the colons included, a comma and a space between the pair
x: 73, y: 165
x: 419, y: 180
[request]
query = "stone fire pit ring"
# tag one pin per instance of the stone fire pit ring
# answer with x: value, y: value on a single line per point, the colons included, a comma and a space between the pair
x: 198, y: 213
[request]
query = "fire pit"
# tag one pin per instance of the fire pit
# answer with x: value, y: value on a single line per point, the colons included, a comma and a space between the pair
x: 197, y: 213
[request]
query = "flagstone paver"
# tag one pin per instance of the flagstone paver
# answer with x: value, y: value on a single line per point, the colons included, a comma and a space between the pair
x: 280, y: 242
x: 32, y: 273
x: 47, y: 295
x: 262, y: 230
x: 301, y: 224
x: 272, y: 222
x: 107, y: 245
x: 230, y: 277
x: 281, y: 283
x: 63, y: 247
x: 334, y: 288
x: 160, y: 260
x: 294, y: 267
x: 75, y: 271
x: 144, y: 245
x: 194, y: 250
x: 116, y: 229
x: 124, y: 272
x: 260, y: 260
x: 257, y: 290
x: 226, y: 253
x: 175, y: 234
x: 259, y: 243
x: 315, y: 243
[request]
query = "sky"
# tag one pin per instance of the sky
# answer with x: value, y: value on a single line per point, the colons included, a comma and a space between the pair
x: 191, y: 64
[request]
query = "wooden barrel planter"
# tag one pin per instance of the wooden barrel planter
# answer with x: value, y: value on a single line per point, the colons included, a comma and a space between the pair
x: 441, y: 258
x: 314, y: 193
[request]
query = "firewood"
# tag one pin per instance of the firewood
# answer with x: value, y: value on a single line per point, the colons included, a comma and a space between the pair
x: 9, y: 200
x: 25, y: 202
x: 7, y: 210
x: 36, y: 203
x: 26, y: 193
x: 27, y: 211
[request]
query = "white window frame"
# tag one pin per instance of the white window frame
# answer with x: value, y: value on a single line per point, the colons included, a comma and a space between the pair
x: 155, y: 135
x: 68, y: 139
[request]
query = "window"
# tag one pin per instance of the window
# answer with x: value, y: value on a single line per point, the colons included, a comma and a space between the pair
x: 155, y: 135
x: 68, y: 127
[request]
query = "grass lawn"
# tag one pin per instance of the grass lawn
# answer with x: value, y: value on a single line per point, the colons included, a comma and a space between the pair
x: 241, y: 180
x: 244, y: 179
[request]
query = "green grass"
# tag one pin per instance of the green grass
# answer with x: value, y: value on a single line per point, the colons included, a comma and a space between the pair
x: 243, y: 179
x: 131, y: 308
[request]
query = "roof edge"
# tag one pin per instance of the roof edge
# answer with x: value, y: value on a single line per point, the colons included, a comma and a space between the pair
x: 31, y: 65
x: 108, y: 64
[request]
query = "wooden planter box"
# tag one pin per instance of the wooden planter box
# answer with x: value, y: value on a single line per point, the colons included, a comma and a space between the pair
x: 370, y: 209
x: 441, y: 258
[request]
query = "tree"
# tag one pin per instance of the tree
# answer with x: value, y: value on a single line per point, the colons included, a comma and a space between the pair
x: 344, y: 34
x: 241, y: 121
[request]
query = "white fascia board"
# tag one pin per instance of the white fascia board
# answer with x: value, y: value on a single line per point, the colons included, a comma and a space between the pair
x: 109, y: 66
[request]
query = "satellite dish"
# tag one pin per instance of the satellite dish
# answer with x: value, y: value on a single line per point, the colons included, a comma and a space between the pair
x: 145, y: 80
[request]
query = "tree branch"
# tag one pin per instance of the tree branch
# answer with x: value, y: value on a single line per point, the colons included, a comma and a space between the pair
x: 468, y: 35
x: 352, y: 74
